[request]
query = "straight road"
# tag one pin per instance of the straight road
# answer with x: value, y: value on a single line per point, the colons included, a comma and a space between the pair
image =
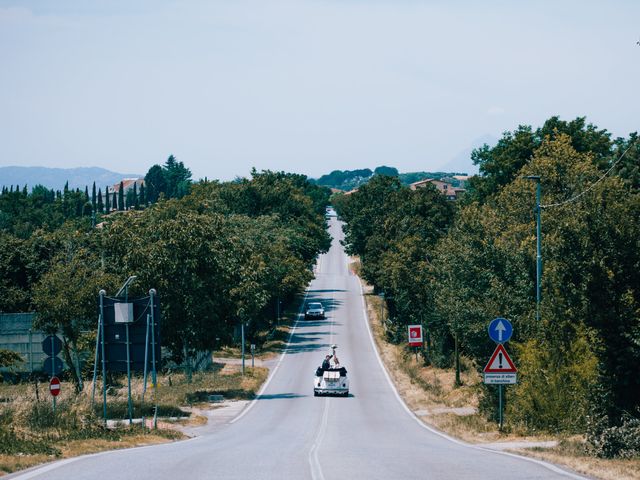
x: 287, y: 433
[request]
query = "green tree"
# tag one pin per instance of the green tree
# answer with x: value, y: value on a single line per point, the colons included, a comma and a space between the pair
x: 121, y: 205
x: 66, y: 296
x: 156, y: 183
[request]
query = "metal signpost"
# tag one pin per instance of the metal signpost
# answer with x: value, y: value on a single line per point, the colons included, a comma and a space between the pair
x: 51, y: 346
x: 128, y: 338
x: 500, y: 369
x: 415, y: 337
x: 54, y: 389
x: 242, y: 340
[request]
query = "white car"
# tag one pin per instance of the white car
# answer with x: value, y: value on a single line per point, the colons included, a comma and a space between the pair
x: 333, y: 381
x: 314, y: 310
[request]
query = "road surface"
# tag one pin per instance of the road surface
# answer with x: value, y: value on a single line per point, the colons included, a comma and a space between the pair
x: 287, y: 433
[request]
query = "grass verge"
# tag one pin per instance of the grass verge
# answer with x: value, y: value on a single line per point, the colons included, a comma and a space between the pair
x: 432, y: 394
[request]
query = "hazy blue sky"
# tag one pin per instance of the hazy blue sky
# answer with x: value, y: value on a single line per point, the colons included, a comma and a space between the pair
x: 303, y: 85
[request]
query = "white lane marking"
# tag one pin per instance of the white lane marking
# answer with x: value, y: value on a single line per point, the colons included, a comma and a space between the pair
x: 314, y: 462
x: 273, y: 372
x: 549, y: 466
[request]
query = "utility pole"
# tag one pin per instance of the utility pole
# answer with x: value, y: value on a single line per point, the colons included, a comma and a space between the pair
x: 538, y: 209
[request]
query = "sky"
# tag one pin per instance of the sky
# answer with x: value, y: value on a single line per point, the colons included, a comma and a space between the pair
x: 306, y: 86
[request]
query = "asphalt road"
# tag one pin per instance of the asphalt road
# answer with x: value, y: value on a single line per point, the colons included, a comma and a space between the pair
x: 287, y: 433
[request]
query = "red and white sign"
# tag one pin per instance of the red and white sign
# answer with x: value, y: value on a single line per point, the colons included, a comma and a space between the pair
x: 415, y: 335
x: 54, y: 386
x: 500, y: 362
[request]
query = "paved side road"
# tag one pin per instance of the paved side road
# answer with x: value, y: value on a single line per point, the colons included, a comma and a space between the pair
x: 287, y: 433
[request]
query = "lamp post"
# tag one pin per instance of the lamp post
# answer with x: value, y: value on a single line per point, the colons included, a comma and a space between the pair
x: 538, y: 209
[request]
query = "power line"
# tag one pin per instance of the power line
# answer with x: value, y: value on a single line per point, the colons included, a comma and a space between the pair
x: 573, y: 199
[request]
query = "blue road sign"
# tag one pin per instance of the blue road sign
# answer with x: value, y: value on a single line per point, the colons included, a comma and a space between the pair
x: 52, y: 366
x: 500, y: 330
x: 52, y: 345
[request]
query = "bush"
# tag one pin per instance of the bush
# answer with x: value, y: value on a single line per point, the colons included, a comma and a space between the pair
x: 621, y: 441
x: 554, y: 384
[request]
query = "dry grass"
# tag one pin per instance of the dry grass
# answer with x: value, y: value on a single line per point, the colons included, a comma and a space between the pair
x: 33, y: 435
x: 428, y: 388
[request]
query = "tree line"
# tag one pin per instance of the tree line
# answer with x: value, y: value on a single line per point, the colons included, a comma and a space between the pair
x: 454, y: 267
x: 218, y: 253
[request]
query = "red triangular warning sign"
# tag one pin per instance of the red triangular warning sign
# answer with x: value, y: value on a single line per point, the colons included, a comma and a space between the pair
x: 500, y: 362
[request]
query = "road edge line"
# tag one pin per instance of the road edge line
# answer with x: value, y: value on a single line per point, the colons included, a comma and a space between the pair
x: 275, y: 369
x: 549, y: 466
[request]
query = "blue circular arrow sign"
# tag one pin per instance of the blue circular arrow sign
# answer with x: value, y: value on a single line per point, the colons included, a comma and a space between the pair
x: 500, y: 330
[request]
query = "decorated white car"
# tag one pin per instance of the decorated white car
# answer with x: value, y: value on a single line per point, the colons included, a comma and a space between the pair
x: 331, y: 379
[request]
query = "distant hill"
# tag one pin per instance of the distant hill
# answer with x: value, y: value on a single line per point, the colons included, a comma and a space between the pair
x: 349, y: 179
x: 462, y: 161
x: 56, y: 177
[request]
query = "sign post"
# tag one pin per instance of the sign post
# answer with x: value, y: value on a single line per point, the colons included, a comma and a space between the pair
x: 51, y: 346
x: 500, y: 369
x: 415, y: 337
x: 54, y: 389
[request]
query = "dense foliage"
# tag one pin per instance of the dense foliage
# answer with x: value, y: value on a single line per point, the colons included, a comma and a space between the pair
x: 459, y: 268
x: 222, y: 254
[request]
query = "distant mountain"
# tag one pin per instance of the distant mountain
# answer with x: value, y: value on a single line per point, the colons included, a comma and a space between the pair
x: 462, y: 161
x: 56, y: 177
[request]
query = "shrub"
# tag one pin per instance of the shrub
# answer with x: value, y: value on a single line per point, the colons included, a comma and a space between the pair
x: 622, y: 441
x: 554, y: 385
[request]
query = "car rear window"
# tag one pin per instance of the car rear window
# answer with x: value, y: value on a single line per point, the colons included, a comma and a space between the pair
x: 315, y: 305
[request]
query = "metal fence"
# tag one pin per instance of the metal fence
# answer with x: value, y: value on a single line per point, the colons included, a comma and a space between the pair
x: 17, y: 334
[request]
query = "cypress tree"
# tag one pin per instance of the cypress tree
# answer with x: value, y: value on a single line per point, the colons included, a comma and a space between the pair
x: 93, y: 196
x: 143, y: 195
x: 107, y: 200
x: 136, y: 200
x: 121, y: 197
x: 100, y: 204
x: 24, y: 190
x: 114, y: 201
x: 86, y: 194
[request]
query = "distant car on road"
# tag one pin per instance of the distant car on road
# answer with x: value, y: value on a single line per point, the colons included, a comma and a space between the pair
x: 314, y: 310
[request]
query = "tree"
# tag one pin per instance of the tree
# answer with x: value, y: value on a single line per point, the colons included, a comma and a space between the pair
x: 107, y: 200
x: 9, y: 358
x: 143, y: 195
x: 155, y: 182
x: 100, y: 202
x: 485, y: 267
x: 178, y: 178
x: 121, y: 205
x: 383, y: 170
x: 500, y: 164
x: 136, y: 199
x: 114, y: 201
x: 66, y: 297
x: 93, y: 196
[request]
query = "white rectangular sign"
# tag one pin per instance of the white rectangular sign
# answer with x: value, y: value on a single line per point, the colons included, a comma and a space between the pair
x: 500, y: 378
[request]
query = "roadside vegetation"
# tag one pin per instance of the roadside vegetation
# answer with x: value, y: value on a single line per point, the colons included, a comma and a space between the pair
x: 454, y: 267
x: 218, y: 254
